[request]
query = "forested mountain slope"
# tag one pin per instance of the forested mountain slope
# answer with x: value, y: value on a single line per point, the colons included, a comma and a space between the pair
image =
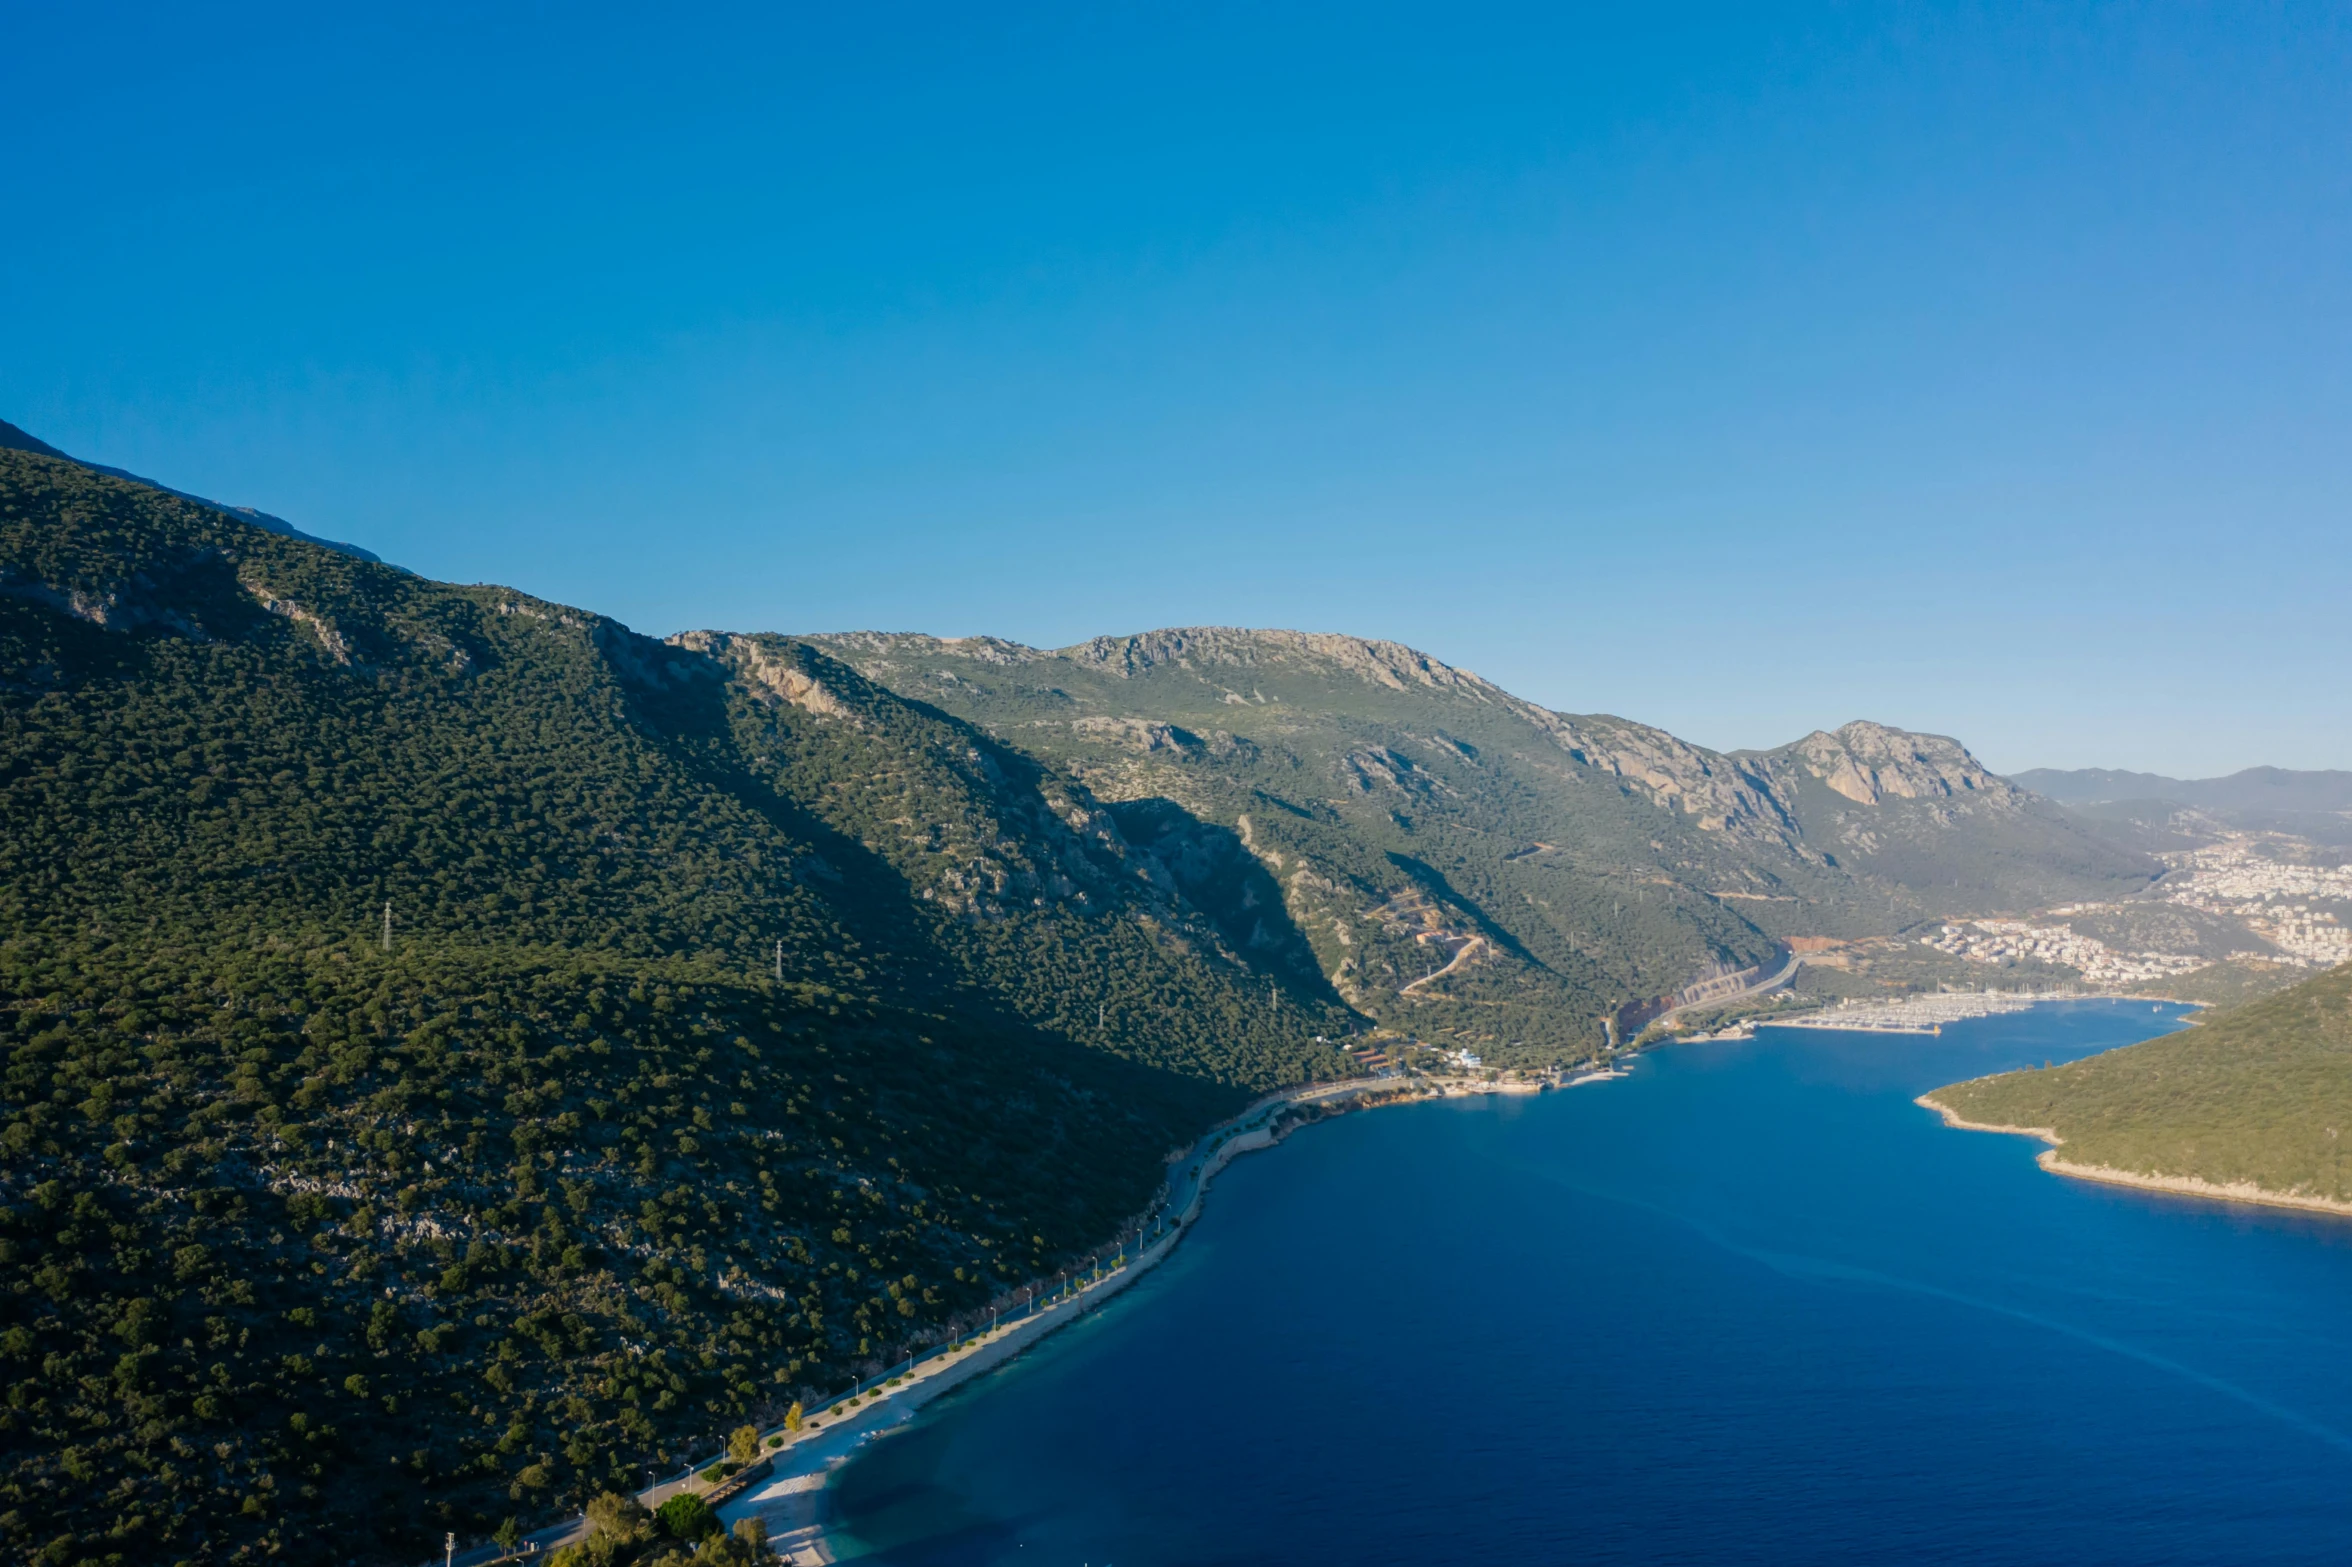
x: 2260, y: 1096
x: 1918, y: 816
x: 316, y: 1247
x: 1416, y: 815
x: 749, y: 1006
x: 15, y: 440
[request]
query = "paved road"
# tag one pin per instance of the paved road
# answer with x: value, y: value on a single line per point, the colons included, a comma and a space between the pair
x: 1170, y: 1214
x: 1761, y: 987
x: 1184, y: 1181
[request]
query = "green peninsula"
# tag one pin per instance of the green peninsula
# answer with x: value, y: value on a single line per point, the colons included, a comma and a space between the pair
x: 2254, y: 1104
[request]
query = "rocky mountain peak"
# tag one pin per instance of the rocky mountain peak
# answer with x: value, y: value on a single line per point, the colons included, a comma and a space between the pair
x: 1869, y: 763
x: 1390, y: 664
x: 916, y: 644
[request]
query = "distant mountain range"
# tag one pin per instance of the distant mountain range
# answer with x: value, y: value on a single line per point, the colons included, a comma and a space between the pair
x: 2150, y: 811
x: 2256, y: 788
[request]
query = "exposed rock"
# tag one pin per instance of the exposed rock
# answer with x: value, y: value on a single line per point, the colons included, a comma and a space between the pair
x: 769, y: 669
x: 555, y: 614
x: 1373, y: 767
x: 1390, y: 664
x: 914, y: 644
x: 109, y: 610
x: 1869, y: 763
x: 338, y: 646
x: 1724, y: 795
x: 1363, y: 759
x: 1141, y: 734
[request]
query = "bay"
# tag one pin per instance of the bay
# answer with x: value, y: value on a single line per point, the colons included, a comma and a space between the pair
x: 1748, y: 1304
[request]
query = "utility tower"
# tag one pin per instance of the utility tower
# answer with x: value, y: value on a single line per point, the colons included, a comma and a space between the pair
x: 387, y: 924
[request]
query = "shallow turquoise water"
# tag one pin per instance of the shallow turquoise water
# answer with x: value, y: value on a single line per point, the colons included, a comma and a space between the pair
x: 1748, y: 1305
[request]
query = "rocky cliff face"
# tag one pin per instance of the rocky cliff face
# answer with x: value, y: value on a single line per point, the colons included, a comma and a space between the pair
x: 1389, y: 664
x: 1751, y: 796
x: 1467, y: 863
x: 1721, y: 792
x: 1745, y: 794
x: 1870, y: 763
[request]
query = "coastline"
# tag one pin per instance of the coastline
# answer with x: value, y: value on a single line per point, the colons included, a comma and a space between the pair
x: 2107, y: 1175
x: 792, y: 1502
x: 795, y: 1469
x: 1960, y: 1123
x: 2191, y: 1186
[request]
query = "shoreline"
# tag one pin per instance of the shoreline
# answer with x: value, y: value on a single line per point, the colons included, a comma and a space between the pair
x: 1927, y: 1011
x: 794, y: 1503
x: 2107, y: 1175
x: 1960, y: 1123
x: 792, y: 1500
x: 2192, y: 1186
x: 793, y: 1476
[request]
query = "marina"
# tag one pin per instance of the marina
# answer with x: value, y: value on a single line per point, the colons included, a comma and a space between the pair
x: 1924, y: 1014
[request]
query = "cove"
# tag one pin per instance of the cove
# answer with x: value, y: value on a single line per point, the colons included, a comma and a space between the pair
x: 1748, y: 1304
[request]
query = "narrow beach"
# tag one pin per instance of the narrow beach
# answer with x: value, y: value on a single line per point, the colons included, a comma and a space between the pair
x: 792, y: 1501
x: 794, y: 1469
x: 2106, y: 1175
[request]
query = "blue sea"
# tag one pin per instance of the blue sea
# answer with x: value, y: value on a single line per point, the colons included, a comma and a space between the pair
x: 1748, y: 1304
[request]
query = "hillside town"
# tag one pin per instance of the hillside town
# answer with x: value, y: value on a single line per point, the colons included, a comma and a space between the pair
x: 2014, y: 941
x: 2291, y: 913
x: 2273, y: 897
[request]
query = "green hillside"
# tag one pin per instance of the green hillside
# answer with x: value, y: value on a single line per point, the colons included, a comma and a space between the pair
x: 314, y: 1248
x: 1919, y: 819
x: 752, y: 1007
x: 2261, y: 1094
x: 1408, y: 812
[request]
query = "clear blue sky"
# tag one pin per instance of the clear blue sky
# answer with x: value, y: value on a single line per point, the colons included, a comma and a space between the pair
x: 1984, y: 369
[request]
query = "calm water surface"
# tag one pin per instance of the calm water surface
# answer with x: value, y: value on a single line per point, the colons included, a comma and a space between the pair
x: 1748, y: 1305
